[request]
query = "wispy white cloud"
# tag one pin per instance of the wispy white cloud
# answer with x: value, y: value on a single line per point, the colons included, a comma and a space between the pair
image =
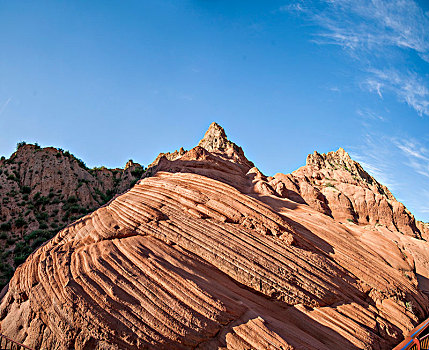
x: 375, y: 33
x: 4, y: 105
x: 334, y: 89
x: 369, y: 114
x: 409, y: 87
x: 374, y: 85
x: 416, y: 154
x: 372, y: 24
x: 293, y: 7
x: 411, y: 149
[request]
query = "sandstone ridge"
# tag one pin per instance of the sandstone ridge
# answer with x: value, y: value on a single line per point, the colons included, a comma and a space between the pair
x: 207, y: 252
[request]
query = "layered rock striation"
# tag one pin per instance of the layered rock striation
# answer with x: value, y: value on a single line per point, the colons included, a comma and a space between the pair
x: 206, y: 252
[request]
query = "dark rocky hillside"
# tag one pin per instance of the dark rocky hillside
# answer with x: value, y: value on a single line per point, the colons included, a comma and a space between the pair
x: 43, y: 190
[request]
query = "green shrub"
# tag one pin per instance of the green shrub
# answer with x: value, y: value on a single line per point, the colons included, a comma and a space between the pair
x: 37, y: 242
x: 19, y: 259
x: 6, y: 226
x: 137, y: 172
x: 42, y: 200
x: 105, y: 197
x: 44, y: 234
x: 20, y: 222
x: 409, y: 306
x: 20, y: 144
x: 74, y: 208
x: 72, y: 199
x: 12, y: 177
x: 43, y: 225
x: 81, y: 163
x: 42, y: 216
x: 26, y: 189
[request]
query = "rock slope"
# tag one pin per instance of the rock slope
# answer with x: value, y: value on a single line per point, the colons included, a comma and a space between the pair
x: 43, y: 190
x: 205, y: 252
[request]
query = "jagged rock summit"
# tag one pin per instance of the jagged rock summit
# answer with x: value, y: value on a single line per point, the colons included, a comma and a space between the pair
x: 205, y: 252
x: 215, y: 141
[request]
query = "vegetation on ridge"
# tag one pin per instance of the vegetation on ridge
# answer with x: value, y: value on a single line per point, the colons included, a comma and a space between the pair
x: 42, y: 190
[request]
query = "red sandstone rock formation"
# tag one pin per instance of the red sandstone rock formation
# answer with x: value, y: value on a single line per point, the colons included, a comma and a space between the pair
x: 206, y: 252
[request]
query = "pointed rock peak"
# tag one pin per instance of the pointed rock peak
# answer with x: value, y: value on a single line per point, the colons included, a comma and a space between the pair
x: 215, y: 139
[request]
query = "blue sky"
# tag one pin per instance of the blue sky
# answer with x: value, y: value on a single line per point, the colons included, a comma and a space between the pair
x: 113, y: 80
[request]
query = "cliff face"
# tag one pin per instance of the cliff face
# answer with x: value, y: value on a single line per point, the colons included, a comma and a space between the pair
x: 43, y: 190
x: 206, y: 252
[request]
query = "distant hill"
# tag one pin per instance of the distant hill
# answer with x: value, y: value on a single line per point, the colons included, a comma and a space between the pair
x: 42, y: 190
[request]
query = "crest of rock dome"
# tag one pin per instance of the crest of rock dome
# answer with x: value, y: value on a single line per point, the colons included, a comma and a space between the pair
x: 214, y: 151
x: 206, y: 252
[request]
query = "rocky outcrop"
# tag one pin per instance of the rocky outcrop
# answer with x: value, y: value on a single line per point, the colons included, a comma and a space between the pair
x: 424, y: 229
x: 206, y: 252
x: 169, y: 156
x: 336, y: 185
x: 43, y: 190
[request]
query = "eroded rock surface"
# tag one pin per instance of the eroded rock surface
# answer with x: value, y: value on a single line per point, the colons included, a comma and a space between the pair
x: 206, y: 252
